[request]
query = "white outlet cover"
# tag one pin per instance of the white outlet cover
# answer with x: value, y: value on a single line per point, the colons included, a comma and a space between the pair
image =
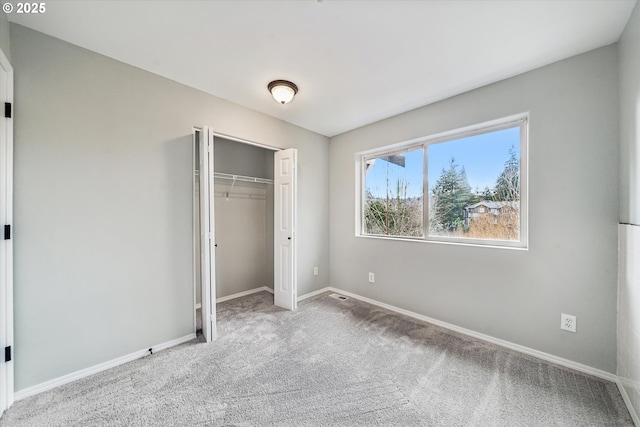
x: 568, y: 322
x: 372, y: 278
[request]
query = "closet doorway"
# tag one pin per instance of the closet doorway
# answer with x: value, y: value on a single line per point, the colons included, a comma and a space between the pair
x: 244, y: 223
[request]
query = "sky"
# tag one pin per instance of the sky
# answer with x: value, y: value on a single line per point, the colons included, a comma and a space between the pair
x: 483, y: 157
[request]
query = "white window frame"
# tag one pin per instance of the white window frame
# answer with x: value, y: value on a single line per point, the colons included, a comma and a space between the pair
x: 519, y: 120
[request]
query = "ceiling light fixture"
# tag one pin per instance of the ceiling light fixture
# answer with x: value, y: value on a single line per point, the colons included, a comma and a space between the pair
x: 283, y: 91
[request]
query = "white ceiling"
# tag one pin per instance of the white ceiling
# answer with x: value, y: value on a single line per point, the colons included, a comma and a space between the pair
x: 355, y: 62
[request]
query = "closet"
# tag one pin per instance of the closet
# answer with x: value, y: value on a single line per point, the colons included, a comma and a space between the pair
x: 243, y: 207
x: 245, y: 223
x: 243, y: 213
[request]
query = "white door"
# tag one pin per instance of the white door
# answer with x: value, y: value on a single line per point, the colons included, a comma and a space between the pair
x: 285, y: 201
x: 207, y: 245
x: 6, y: 242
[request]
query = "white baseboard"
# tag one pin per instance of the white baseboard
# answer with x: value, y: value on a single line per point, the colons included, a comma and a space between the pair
x: 313, y: 294
x: 48, y: 385
x: 507, y: 344
x: 627, y: 401
x: 56, y: 382
x: 244, y: 293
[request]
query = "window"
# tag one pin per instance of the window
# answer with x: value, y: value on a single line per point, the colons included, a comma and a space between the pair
x: 465, y: 186
x: 393, y: 193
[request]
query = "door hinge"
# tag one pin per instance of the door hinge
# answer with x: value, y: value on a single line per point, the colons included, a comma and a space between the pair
x: 7, y: 110
x: 7, y: 354
x: 7, y: 232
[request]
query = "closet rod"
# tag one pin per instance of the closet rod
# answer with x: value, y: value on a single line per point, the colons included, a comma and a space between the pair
x: 241, y: 178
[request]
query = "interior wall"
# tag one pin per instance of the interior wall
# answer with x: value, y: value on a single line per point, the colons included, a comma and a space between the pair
x: 241, y: 227
x: 240, y: 218
x: 5, y: 45
x: 237, y: 158
x: 514, y: 295
x: 103, y: 204
x: 629, y: 276
x: 629, y: 46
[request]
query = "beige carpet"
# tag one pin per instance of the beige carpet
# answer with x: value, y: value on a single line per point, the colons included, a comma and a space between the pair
x: 330, y: 363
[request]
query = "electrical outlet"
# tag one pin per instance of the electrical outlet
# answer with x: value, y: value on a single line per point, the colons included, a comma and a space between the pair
x: 372, y: 278
x: 568, y: 322
x: 315, y: 271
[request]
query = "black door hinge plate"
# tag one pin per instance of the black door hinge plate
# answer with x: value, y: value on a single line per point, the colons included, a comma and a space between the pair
x: 7, y: 232
x: 7, y: 110
x: 7, y: 354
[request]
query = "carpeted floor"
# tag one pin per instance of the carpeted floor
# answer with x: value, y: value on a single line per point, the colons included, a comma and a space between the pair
x: 329, y: 363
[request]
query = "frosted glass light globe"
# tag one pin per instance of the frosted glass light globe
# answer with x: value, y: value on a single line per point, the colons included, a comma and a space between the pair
x: 283, y: 91
x: 282, y: 94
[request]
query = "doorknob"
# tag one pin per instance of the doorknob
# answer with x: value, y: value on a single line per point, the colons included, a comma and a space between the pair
x: 288, y: 238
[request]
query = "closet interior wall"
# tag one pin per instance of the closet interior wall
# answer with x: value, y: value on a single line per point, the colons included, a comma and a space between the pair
x: 243, y: 218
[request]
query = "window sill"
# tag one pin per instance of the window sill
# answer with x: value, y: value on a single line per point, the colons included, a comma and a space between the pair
x: 490, y: 244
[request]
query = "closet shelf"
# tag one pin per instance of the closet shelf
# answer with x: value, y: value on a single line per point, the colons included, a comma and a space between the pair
x: 243, y: 178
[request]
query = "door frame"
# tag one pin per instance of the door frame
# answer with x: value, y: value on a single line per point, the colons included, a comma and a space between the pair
x: 6, y: 246
x: 212, y: 291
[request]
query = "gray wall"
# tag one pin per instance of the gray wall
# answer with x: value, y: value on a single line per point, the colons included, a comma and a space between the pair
x: 629, y: 46
x: 4, y: 35
x: 242, y: 159
x: 629, y: 283
x: 241, y: 236
x: 514, y: 295
x: 103, y: 204
x: 244, y: 255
